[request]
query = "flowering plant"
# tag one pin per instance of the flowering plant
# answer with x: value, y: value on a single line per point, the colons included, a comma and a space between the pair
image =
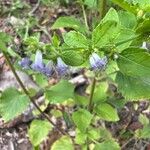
x: 113, y: 51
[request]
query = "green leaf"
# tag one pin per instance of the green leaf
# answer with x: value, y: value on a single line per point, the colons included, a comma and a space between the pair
x: 126, y: 6
x: 122, y: 36
x: 38, y: 131
x: 4, y: 37
x: 107, y: 145
x: 64, y: 143
x: 134, y: 62
x: 143, y: 119
x: 69, y: 22
x: 60, y: 92
x: 76, y: 39
x: 91, y: 3
x: 144, y: 27
x: 81, y: 137
x: 82, y: 119
x: 111, y: 15
x: 132, y: 88
x: 104, y: 34
x: 127, y: 19
x: 106, y: 112
x: 100, y: 94
x: 72, y: 58
x: 12, y: 103
x: 144, y: 133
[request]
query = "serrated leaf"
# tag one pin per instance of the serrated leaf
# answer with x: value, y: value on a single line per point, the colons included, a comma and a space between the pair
x: 144, y: 133
x: 134, y: 62
x: 38, y: 131
x: 64, y: 143
x: 132, y: 88
x: 12, y: 103
x: 100, y: 92
x: 107, y: 145
x: 60, y: 92
x: 106, y: 112
x: 69, y: 22
x: 127, y: 19
x: 122, y: 36
x: 126, y: 6
x: 72, y: 58
x: 111, y: 15
x: 82, y: 119
x: 105, y: 33
x: 76, y: 39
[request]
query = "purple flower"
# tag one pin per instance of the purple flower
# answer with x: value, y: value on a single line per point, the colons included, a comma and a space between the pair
x: 49, y: 69
x: 25, y: 63
x: 61, y: 67
x: 38, y: 64
x: 97, y: 63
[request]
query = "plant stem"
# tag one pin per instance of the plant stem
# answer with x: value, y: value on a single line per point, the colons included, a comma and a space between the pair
x: 102, y: 10
x: 27, y: 93
x: 84, y: 15
x: 90, y: 106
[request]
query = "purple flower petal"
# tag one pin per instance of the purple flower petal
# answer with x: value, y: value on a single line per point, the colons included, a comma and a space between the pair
x: 49, y: 69
x: 97, y: 63
x: 38, y: 64
x: 61, y: 67
x: 25, y: 63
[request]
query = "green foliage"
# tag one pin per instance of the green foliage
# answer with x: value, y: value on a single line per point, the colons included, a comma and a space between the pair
x: 58, y: 94
x: 106, y: 145
x: 75, y: 39
x: 82, y: 119
x: 132, y: 88
x: 72, y: 58
x: 69, y: 22
x: 12, y: 103
x: 106, y: 112
x: 64, y: 143
x: 38, y: 131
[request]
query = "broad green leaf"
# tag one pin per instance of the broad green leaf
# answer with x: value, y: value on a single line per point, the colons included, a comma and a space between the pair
x: 127, y: 19
x: 126, y: 6
x: 91, y: 3
x: 64, y: 143
x: 81, y: 137
x: 132, y: 88
x: 100, y: 94
x: 143, y: 119
x: 134, y: 62
x: 38, y: 131
x: 60, y: 92
x: 4, y: 37
x: 107, y: 145
x: 72, y: 58
x: 69, y: 22
x: 76, y: 39
x: 105, y: 33
x: 111, y: 15
x: 82, y: 119
x: 144, y: 133
x: 12, y: 103
x: 123, y: 35
x: 144, y: 27
x: 93, y: 133
x: 106, y: 112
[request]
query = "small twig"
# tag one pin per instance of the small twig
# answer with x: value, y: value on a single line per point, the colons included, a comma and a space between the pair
x: 90, y: 106
x: 27, y: 93
x: 124, y: 145
x: 102, y: 10
x: 35, y: 8
x: 85, y: 17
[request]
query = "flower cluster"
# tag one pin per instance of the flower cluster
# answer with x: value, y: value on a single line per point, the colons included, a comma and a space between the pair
x: 46, y: 69
x: 97, y: 63
x: 61, y: 69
